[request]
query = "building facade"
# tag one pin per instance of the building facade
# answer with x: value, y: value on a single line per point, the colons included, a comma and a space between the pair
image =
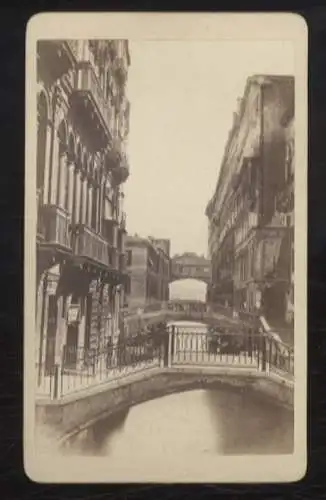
x: 149, y: 271
x: 82, y: 164
x: 249, y: 237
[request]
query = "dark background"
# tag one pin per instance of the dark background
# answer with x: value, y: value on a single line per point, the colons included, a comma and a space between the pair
x: 13, y: 482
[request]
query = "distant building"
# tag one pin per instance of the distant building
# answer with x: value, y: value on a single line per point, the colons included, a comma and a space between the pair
x: 149, y: 270
x: 248, y: 235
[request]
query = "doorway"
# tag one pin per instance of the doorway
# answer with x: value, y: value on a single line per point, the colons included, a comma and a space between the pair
x: 51, y: 334
x: 71, y: 348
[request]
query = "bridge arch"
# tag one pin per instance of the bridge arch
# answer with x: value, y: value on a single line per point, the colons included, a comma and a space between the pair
x: 188, y: 289
x: 77, y: 416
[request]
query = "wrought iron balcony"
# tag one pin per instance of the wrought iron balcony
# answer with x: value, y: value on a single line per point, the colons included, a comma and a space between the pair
x: 91, y: 246
x: 117, y: 162
x: 55, y: 222
x: 88, y: 93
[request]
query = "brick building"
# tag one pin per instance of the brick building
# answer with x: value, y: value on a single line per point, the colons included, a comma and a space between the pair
x: 82, y: 163
x: 149, y: 270
x: 249, y: 237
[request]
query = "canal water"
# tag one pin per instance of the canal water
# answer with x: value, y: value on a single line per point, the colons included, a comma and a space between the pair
x: 194, y: 422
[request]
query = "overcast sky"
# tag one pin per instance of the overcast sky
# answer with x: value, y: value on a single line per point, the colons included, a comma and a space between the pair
x: 182, y: 100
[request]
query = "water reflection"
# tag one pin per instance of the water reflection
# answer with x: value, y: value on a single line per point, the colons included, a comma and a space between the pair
x: 194, y: 422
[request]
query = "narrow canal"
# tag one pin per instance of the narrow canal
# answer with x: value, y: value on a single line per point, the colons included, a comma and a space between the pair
x: 193, y: 422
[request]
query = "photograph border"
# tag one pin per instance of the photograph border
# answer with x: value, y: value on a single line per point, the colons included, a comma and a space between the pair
x: 290, y: 27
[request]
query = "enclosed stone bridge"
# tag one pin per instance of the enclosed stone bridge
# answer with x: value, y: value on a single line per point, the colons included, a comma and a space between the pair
x: 190, y: 266
x: 173, y: 359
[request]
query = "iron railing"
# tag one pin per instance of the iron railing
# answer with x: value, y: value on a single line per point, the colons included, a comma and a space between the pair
x: 224, y: 347
x: 167, y: 347
x: 87, y: 81
x: 82, y: 367
x: 92, y: 245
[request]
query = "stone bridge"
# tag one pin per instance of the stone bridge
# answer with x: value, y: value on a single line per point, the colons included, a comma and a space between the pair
x: 147, y: 367
x: 190, y: 266
x: 189, y: 310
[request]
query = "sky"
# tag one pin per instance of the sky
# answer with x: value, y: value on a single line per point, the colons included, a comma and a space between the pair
x: 183, y: 95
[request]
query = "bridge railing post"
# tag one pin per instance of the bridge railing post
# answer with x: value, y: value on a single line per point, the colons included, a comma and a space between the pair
x: 171, y: 343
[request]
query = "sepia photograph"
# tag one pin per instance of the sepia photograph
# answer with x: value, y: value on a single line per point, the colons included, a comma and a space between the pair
x: 165, y: 272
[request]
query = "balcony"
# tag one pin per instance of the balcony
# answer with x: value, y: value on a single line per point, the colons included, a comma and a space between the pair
x: 58, y: 57
x: 285, y: 199
x: 55, y: 223
x: 88, y: 99
x: 120, y: 70
x: 121, y: 170
x: 92, y: 246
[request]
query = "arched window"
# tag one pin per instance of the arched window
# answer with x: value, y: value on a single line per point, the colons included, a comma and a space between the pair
x: 42, y: 115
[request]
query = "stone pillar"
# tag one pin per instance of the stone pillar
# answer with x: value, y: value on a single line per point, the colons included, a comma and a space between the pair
x: 100, y: 207
x: 47, y: 163
x: 60, y: 334
x: 55, y: 169
x: 71, y: 168
x: 78, y: 190
x: 90, y: 205
x: 170, y: 347
x: 62, y: 179
x: 81, y: 334
x: 38, y: 314
x: 83, y: 219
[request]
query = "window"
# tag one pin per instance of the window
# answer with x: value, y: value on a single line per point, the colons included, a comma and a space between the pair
x: 129, y: 258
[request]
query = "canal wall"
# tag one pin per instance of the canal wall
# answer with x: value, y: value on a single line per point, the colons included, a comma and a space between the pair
x: 74, y: 413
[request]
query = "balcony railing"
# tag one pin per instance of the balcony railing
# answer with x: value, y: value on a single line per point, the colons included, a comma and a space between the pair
x: 92, y: 246
x: 87, y: 82
x: 56, y: 226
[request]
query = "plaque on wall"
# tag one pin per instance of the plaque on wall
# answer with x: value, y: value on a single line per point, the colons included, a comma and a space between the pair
x: 73, y: 313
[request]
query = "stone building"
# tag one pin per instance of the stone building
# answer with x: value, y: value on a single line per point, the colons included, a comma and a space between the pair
x: 249, y: 238
x: 82, y: 163
x: 149, y: 270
